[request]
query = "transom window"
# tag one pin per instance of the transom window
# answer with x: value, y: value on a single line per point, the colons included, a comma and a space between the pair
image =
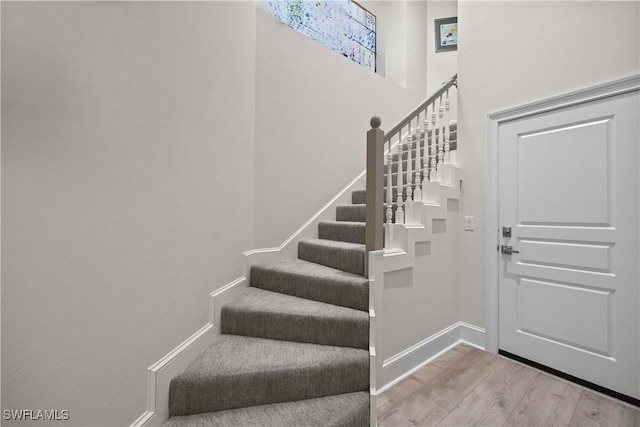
x: 342, y: 25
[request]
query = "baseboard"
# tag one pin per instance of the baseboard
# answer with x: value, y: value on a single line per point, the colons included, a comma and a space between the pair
x: 473, y: 335
x: 159, y: 374
x: 223, y: 296
x: 405, y: 363
x: 309, y: 230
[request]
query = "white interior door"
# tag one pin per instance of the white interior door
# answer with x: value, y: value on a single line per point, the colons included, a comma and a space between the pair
x: 569, y: 189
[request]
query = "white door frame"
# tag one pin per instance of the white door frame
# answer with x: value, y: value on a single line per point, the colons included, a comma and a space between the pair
x: 492, y: 226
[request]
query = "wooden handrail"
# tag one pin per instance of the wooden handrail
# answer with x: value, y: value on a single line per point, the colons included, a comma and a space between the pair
x: 432, y: 157
x: 397, y: 128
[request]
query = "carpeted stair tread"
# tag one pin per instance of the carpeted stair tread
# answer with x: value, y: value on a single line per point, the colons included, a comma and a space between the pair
x: 237, y: 371
x: 343, y: 410
x: 342, y: 231
x: 312, y: 281
x: 359, y: 197
x: 351, y: 213
x: 344, y: 256
x: 265, y: 314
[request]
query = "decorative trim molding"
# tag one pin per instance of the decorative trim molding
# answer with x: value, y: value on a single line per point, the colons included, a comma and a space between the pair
x: 376, y: 292
x: 405, y: 363
x: 159, y: 374
x: 309, y: 229
x: 606, y: 90
x: 593, y: 93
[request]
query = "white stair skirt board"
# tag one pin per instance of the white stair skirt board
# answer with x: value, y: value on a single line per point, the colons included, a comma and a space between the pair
x: 408, y: 212
x: 405, y: 363
x: 431, y: 193
x: 376, y: 292
x: 453, y: 157
x: 448, y: 173
x: 309, y: 230
x: 400, y: 251
x: 160, y: 373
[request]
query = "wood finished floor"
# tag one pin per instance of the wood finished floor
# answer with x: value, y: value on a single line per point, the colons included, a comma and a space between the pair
x: 470, y: 387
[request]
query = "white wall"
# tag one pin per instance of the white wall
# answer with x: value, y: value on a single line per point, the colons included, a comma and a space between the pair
x: 127, y: 180
x: 513, y: 53
x: 440, y: 65
x: 422, y: 301
x: 146, y: 146
x: 312, y: 113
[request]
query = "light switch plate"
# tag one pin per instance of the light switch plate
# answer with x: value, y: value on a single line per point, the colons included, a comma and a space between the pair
x: 468, y: 223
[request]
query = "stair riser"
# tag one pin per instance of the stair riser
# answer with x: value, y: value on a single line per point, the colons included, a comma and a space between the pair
x: 321, y: 289
x: 349, y: 260
x: 261, y: 388
x: 361, y: 216
x: 345, y: 410
x: 352, y: 213
x: 280, y: 326
x: 359, y: 197
x: 342, y: 233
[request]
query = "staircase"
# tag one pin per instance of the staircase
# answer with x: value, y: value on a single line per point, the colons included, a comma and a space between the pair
x: 298, y: 340
x: 294, y: 348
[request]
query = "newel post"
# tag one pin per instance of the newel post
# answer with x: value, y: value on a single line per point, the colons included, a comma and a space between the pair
x: 375, y: 187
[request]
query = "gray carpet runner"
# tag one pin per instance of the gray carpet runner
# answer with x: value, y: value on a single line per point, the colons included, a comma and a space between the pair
x: 293, y: 349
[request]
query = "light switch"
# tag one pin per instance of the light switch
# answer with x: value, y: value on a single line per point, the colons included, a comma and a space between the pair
x: 468, y: 223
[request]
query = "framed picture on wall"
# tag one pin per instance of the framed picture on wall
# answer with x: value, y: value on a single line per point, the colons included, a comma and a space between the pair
x: 446, y: 34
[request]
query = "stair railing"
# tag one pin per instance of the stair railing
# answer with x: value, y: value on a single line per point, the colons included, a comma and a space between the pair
x: 428, y: 152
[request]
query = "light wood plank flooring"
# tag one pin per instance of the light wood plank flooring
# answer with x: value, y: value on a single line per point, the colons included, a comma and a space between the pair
x: 470, y: 387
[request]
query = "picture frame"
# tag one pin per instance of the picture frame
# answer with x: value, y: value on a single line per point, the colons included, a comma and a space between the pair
x: 446, y: 34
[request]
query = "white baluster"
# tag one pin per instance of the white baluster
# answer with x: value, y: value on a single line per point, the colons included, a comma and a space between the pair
x: 439, y: 163
x: 389, y: 190
x: 388, y: 235
x: 399, y: 183
x: 425, y: 153
x: 452, y: 154
x: 447, y: 146
x: 408, y: 201
x: 432, y: 170
x: 425, y: 157
x: 409, y: 145
x: 434, y: 141
x: 417, y: 181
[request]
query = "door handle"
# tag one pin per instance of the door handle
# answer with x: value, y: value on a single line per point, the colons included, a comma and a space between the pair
x: 508, y: 250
